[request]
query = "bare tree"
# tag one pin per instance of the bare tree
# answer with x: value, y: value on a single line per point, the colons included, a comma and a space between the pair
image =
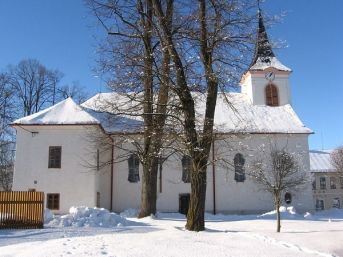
x: 278, y: 173
x: 337, y: 158
x: 6, y: 165
x: 202, y: 45
x: 6, y: 133
x: 218, y: 32
x: 73, y: 90
x: 34, y: 84
x: 141, y: 67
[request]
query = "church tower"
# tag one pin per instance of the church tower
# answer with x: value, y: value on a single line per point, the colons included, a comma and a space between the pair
x: 266, y: 82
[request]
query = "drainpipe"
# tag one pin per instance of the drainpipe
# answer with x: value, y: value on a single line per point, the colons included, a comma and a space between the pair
x: 214, y: 176
x: 112, y: 168
x: 160, y: 166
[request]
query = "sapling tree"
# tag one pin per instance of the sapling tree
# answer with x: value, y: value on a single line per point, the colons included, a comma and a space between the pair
x: 278, y: 173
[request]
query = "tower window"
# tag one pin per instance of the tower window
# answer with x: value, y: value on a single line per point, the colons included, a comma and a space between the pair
x: 272, y: 96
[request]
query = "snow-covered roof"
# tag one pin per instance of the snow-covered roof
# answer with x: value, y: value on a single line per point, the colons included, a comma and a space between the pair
x: 65, y: 112
x: 263, y: 63
x: 243, y: 116
x: 112, y: 123
x: 320, y: 161
x: 240, y: 116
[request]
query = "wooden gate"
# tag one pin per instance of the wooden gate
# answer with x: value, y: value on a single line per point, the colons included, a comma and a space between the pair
x: 21, y: 210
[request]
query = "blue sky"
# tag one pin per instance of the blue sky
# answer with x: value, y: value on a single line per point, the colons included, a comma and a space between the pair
x: 60, y: 34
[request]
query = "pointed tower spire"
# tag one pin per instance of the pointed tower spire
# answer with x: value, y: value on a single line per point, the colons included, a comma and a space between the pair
x: 264, y: 56
x: 263, y: 48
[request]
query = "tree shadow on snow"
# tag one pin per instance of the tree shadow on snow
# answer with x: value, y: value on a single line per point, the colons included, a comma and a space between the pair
x: 17, y: 236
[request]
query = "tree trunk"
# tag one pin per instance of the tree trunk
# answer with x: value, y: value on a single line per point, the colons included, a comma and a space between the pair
x: 148, y: 196
x: 149, y: 188
x: 196, y: 210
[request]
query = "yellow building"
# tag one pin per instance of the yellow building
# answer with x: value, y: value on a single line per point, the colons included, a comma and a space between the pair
x: 327, y: 184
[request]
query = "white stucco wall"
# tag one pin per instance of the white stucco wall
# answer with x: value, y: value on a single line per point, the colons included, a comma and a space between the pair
x: 78, y: 184
x: 231, y: 196
x: 75, y: 181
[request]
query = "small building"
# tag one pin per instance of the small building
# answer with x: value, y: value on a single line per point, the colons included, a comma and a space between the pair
x: 327, y: 183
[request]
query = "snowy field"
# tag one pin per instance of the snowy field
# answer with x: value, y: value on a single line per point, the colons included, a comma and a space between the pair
x: 96, y: 232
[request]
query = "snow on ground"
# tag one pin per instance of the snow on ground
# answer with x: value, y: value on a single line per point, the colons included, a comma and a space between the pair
x: 97, y: 232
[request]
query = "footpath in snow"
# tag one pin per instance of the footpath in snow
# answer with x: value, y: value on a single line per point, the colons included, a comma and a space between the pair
x: 98, y: 232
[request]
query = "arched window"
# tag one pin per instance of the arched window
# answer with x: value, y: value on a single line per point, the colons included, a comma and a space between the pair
x: 133, y: 162
x: 272, y: 96
x: 186, y: 168
x: 288, y: 198
x: 239, y: 167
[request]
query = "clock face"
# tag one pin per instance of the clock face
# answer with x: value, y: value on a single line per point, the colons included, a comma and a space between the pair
x: 269, y: 75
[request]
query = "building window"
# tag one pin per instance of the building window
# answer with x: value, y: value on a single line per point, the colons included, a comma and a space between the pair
x: 336, y: 203
x: 319, y: 204
x: 288, y: 198
x: 53, y: 201
x: 186, y: 168
x: 55, y: 153
x: 314, y: 186
x: 239, y: 167
x: 272, y: 98
x: 322, y: 181
x: 133, y: 162
x: 332, y: 182
x: 341, y: 182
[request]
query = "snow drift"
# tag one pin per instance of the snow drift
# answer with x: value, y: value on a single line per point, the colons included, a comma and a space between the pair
x: 87, y: 217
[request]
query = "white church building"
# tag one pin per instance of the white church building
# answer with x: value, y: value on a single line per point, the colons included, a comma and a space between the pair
x: 56, y: 152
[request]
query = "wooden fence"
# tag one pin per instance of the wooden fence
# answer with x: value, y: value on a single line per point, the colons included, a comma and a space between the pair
x: 21, y: 210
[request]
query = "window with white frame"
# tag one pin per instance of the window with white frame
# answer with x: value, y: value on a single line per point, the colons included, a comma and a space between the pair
x: 133, y: 163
